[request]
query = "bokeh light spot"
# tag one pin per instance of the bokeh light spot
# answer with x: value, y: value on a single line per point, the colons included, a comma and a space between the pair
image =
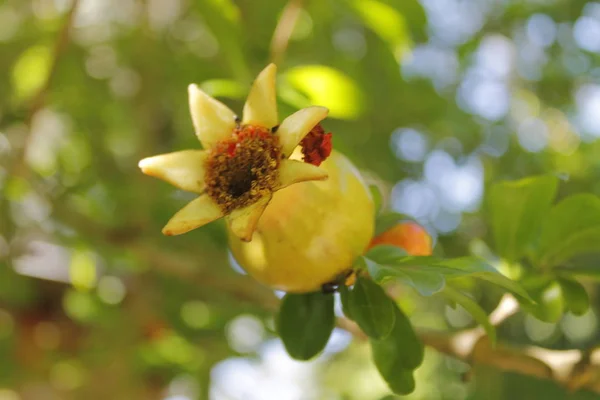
x: 409, y: 144
x: 195, y: 314
x: 245, y: 333
x: 111, y: 290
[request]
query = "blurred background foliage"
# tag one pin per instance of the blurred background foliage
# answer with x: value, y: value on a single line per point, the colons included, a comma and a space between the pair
x: 434, y: 100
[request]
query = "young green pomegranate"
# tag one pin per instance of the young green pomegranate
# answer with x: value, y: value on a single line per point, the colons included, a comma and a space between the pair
x: 295, y: 223
x: 311, y: 232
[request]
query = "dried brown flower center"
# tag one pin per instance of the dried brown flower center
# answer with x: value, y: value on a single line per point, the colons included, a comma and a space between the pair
x: 243, y: 169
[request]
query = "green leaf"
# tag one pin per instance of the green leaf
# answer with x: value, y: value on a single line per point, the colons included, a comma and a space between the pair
x: 398, y: 354
x: 426, y: 283
x: 571, y: 228
x: 344, y: 293
x: 389, y: 262
x: 584, y: 271
x: 387, y: 254
x: 472, y: 308
x: 517, y: 210
x: 305, y: 322
x: 388, y: 220
x: 328, y: 87
x: 408, y: 349
x: 387, y: 23
x: 575, y: 296
x: 415, y: 16
x: 549, y: 304
x: 377, y: 197
x: 480, y: 269
x: 371, y: 308
x: 402, y: 382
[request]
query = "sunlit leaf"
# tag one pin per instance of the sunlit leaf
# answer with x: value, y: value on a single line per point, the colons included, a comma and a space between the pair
x: 415, y: 15
x: 387, y: 23
x: 388, y: 260
x: 227, y: 8
x: 425, y: 282
x: 328, y: 87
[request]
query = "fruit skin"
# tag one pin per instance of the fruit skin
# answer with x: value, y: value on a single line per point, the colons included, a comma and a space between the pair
x: 311, y: 231
x: 408, y: 235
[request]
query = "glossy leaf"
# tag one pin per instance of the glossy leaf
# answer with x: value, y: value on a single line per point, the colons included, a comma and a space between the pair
x: 389, y: 262
x: 344, y: 294
x: 398, y: 354
x: 305, y: 322
x: 572, y: 228
x: 426, y: 283
x: 371, y: 308
x: 575, y: 296
x: 517, y: 210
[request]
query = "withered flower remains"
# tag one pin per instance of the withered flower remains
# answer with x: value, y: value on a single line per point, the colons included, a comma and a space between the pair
x: 243, y: 162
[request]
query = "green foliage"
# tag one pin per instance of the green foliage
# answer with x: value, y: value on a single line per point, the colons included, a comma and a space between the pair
x: 389, y: 24
x: 398, y: 354
x: 549, y: 302
x: 424, y: 273
x: 517, y: 211
x: 377, y: 198
x: 571, y: 228
x: 575, y: 296
x: 305, y: 323
x: 329, y: 87
x: 371, y: 308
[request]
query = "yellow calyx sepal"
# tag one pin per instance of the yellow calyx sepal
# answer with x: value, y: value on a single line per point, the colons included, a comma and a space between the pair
x: 215, y: 125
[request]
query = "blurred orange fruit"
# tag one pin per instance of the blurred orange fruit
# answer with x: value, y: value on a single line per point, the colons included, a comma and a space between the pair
x: 410, y: 236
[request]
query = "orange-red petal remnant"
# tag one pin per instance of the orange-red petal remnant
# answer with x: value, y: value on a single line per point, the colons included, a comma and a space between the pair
x: 316, y: 146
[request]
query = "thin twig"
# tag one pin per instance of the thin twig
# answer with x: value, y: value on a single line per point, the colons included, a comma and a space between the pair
x: 284, y: 29
x: 60, y: 45
x: 37, y: 101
